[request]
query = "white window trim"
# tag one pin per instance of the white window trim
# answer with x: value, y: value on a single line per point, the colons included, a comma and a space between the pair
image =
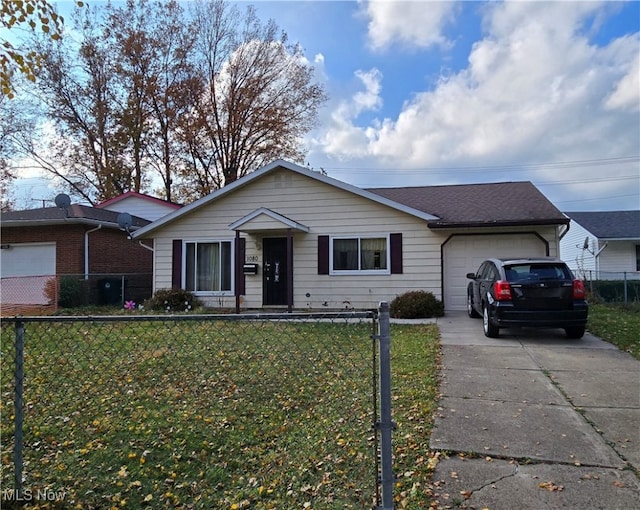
x: 209, y: 293
x: 360, y: 272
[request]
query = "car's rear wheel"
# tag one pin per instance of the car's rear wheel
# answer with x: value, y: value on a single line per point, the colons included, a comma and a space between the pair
x: 490, y: 329
x: 471, y: 311
x: 574, y: 331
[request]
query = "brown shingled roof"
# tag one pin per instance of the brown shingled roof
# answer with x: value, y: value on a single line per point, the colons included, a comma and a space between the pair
x: 75, y: 213
x: 473, y: 205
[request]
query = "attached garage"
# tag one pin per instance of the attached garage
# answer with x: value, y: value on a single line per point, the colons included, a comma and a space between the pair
x: 463, y: 254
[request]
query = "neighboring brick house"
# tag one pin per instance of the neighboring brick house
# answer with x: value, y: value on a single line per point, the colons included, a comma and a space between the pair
x: 81, y: 241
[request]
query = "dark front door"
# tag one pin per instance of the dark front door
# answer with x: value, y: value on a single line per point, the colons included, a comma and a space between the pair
x: 274, y: 271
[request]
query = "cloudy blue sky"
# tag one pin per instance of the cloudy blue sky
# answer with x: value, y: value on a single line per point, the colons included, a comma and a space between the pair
x: 428, y: 93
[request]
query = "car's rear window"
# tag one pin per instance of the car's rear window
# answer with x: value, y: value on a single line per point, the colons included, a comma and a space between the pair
x: 537, y: 272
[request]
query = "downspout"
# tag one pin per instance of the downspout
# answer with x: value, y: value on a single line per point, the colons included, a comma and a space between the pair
x: 86, y: 250
x: 596, y: 257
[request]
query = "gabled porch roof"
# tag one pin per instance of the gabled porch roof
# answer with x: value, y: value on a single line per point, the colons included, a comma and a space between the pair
x: 265, y: 220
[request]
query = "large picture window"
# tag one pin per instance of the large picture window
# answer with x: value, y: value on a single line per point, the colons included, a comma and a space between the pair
x: 359, y: 254
x: 208, y: 266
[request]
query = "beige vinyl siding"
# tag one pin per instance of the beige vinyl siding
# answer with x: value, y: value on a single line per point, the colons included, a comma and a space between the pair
x: 326, y: 210
x: 262, y: 222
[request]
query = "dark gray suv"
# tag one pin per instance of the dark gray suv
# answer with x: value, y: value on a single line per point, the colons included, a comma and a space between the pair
x: 529, y: 292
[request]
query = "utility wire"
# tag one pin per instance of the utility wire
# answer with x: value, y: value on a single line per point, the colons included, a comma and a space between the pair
x: 492, y: 168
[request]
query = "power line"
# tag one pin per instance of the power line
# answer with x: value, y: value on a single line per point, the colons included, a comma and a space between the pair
x: 494, y: 168
x: 586, y: 181
x: 592, y: 199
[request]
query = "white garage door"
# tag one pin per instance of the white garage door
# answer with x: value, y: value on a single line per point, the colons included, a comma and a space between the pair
x: 28, y: 259
x: 26, y: 269
x: 463, y: 254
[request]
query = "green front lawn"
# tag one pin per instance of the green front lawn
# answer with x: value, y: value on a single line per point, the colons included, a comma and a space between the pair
x: 215, y: 414
x: 617, y: 324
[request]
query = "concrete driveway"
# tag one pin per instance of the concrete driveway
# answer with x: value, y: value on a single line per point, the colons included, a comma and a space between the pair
x: 532, y: 420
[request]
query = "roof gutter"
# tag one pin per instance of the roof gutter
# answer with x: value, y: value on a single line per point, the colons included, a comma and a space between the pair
x: 65, y: 221
x: 481, y: 224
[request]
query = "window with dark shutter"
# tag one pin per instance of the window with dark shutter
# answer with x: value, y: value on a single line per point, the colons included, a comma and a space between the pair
x: 395, y: 241
x: 240, y: 258
x: 176, y: 264
x: 323, y: 254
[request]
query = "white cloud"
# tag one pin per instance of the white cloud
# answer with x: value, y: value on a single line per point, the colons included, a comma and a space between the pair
x: 369, y: 99
x: 343, y: 132
x: 413, y: 24
x: 535, y: 89
x: 627, y: 91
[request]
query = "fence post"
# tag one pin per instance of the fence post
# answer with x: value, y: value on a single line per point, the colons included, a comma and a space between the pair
x: 626, y: 293
x: 385, y: 424
x: 18, y: 408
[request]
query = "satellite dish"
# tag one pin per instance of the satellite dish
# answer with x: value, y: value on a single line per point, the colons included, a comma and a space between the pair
x: 62, y: 201
x: 125, y: 221
x: 585, y: 246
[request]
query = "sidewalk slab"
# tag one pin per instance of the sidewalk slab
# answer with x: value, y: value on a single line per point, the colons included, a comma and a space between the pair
x: 479, y: 356
x: 532, y: 431
x: 593, y: 359
x: 600, y: 389
x: 620, y: 428
x: 505, y: 485
x: 501, y: 384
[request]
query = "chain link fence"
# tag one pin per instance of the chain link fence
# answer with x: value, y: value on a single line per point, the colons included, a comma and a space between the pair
x: 613, y: 287
x: 222, y: 411
x: 44, y: 295
x: 29, y: 295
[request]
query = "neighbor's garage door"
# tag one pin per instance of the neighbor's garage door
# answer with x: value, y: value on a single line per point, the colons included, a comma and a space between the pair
x: 28, y: 259
x: 26, y: 269
x: 463, y: 254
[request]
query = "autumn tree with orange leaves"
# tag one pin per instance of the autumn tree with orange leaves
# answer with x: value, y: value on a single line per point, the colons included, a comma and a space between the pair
x: 174, y: 102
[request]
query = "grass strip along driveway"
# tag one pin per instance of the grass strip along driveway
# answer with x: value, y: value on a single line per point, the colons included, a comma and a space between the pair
x: 618, y: 324
x: 214, y: 414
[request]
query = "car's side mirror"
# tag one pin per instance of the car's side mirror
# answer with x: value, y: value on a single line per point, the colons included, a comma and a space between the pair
x: 471, y: 276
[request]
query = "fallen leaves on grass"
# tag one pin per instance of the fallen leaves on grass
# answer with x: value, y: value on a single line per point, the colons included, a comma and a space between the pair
x: 265, y: 415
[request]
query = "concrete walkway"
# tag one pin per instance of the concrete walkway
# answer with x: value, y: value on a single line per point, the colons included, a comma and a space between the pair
x: 532, y: 420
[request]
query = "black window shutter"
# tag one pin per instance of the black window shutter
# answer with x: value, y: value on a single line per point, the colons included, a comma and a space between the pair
x: 241, y: 247
x: 396, y: 253
x: 323, y: 254
x: 176, y: 264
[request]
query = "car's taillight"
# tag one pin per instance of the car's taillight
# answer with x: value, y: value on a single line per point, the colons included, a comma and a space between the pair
x: 502, y: 290
x: 578, y: 289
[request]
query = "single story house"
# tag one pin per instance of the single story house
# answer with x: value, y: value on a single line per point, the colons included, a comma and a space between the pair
x: 78, y: 240
x: 288, y: 237
x: 603, y: 245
